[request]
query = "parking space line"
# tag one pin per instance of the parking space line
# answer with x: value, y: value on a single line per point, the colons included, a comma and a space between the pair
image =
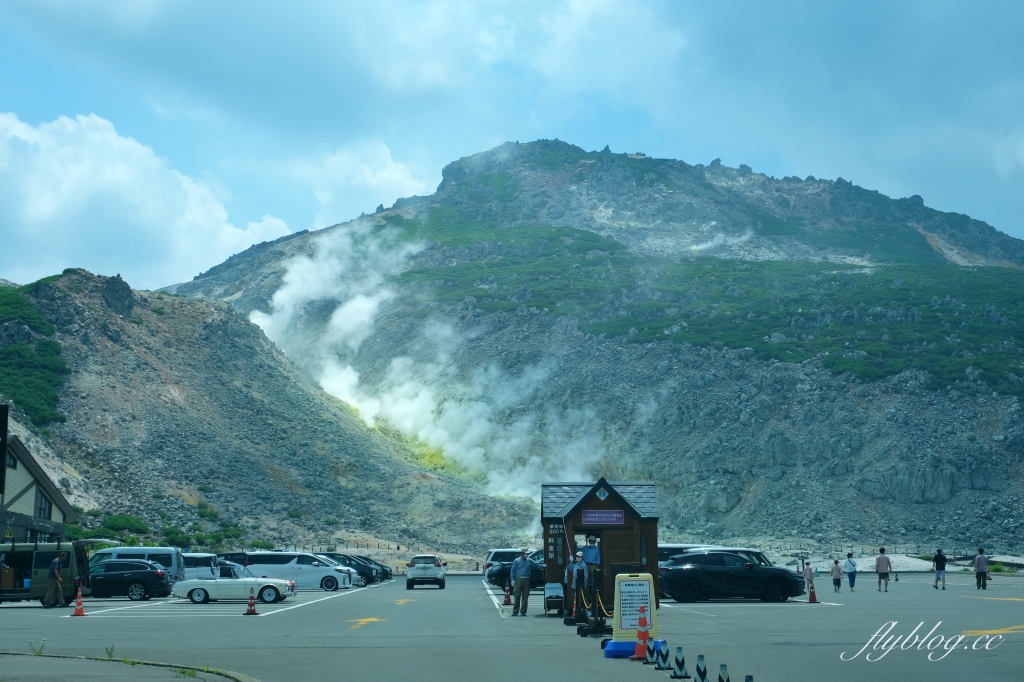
x: 315, y: 601
x: 121, y: 608
x: 501, y: 609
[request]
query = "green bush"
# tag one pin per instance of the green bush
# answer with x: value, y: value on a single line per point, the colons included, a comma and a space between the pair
x: 126, y: 522
x: 997, y: 567
x: 331, y: 521
x: 261, y: 544
x: 75, y: 532
x: 205, y: 489
x: 175, y: 537
x: 207, y: 511
x: 294, y: 514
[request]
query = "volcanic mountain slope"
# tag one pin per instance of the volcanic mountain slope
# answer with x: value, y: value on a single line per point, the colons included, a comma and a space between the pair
x: 785, y: 357
x: 181, y: 412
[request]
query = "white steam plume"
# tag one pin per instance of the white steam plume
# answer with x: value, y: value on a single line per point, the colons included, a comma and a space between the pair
x: 328, y: 305
x: 721, y: 240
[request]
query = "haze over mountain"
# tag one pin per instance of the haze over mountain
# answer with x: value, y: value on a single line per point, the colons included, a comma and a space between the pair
x: 782, y: 355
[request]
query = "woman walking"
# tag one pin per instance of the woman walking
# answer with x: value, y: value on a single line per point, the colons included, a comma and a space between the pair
x: 850, y: 566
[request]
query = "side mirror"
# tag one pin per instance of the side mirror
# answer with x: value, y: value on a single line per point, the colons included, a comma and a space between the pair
x: 444, y: 563
x: 749, y: 567
x: 316, y: 563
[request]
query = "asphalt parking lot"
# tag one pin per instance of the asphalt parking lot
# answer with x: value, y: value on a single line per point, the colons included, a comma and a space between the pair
x: 463, y: 633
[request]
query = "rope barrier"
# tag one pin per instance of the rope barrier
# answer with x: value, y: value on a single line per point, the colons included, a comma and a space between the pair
x: 600, y: 602
x: 583, y: 598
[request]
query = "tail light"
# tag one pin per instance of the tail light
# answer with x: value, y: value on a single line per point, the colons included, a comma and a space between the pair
x: 487, y: 565
x: 410, y: 565
x: 159, y: 574
x: 437, y: 565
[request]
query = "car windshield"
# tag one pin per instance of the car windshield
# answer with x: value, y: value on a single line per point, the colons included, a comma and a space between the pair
x: 244, y: 572
x: 327, y: 560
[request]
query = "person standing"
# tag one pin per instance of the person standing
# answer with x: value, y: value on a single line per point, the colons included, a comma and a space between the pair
x: 850, y: 566
x: 592, y: 558
x: 883, y: 566
x: 939, y: 564
x: 522, y: 568
x: 576, y: 577
x: 981, y: 569
x: 54, y: 582
x: 809, y: 577
x: 837, y: 575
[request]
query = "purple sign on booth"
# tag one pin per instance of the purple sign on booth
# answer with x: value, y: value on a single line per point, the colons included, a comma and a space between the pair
x: 603, y: 517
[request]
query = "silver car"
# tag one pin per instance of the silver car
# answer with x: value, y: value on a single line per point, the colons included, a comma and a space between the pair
x: 425, y: 569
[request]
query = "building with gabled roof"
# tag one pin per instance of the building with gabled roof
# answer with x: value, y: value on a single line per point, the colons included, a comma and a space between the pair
x: 32, y: 507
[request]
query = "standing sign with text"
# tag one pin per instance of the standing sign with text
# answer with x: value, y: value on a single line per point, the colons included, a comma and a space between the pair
x: 603, y: 517
x: 631, y: 592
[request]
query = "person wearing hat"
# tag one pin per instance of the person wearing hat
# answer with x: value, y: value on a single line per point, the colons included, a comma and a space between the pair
x: 591, y: 556
x: 522, y: 568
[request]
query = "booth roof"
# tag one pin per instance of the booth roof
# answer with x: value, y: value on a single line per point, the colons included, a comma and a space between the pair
x: 558, y: 500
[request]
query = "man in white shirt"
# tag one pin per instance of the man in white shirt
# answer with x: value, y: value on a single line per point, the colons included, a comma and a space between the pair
x: 883, y: 566
x: 850, y: 566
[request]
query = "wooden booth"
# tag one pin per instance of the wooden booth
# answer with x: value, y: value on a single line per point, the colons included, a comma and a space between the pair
x: 623, y: 516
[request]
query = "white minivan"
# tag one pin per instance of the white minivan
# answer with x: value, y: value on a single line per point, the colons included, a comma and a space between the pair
x: 200, y: 566
x: 309, y: 571
x: 170, y: 558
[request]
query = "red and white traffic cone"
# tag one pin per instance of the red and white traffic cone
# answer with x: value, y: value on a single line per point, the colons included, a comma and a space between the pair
x: 813, y: 599
x: 251, y: 611
x: 79, y: 609
x: 640, y: 652
x: 508, y: 596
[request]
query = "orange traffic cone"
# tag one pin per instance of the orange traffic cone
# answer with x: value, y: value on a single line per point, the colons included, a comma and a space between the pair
x: 508, y: 596
x: 640, y: 653
x: 812, y: 599
x: 79, y: 610
x: 251, y: 611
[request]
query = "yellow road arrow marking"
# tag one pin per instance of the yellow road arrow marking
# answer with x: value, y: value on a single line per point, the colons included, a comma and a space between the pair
x: 1005, y: 631
x: 360, y: 622
x: 400, y: 602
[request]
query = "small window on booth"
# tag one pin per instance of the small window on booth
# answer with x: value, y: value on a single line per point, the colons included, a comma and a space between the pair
x: 559, y: 551
x: 12, y: 463
x: 643, y: 550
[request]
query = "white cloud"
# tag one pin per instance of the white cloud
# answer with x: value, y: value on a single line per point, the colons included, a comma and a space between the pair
x: 354, y: 178
x: 75, y: 193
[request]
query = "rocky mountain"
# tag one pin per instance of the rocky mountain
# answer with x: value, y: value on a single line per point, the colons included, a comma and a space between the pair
x: 182, y: 413
x: 785, y: 357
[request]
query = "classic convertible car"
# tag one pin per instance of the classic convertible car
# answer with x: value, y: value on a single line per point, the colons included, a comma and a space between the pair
x: 234, y: 582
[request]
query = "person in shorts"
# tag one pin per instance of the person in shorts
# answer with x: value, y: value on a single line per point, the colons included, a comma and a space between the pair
x: 850, y: 566
x: 837, y: 575
x: 939, y: 564
x: 883, y: 566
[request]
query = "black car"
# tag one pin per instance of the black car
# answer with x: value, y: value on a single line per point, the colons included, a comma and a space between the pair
x: 135, y: 579
x: 498, y: 573
x: 714, y: 575
x: 385, y: 571
x: 369, y: 571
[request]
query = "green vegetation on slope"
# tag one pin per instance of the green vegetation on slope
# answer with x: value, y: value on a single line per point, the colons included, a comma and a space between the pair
x: 31, y: 374
x: 963, y: 325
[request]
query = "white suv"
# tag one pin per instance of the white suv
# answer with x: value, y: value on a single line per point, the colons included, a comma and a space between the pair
x: 425, y: 568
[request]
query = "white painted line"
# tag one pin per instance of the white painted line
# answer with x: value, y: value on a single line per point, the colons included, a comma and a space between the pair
x: 688, y: 610
x: 299, y: 606
x: 501, y: 609
x: 119, y: 608
x: 804, y: 601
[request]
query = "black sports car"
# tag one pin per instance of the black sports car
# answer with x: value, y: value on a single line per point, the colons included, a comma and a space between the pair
x: 714, y: 575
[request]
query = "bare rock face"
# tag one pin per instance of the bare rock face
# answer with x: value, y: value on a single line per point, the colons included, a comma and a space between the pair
x: 118, y: 295
x: 14, y: 332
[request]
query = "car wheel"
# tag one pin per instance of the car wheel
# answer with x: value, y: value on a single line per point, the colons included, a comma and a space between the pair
x: 440, y: 584
x: 329, y: 584
x: 199, y: 596
x: 776, y: 590
x: 136, y: 591
x: 408, y: 584
x: 269, y: 595
x: 362, y: 581
x: 687, y: 591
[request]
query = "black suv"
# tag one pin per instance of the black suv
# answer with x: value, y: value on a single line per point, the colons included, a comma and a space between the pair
x: 135, y: 579
x: 499, y: 572
x: 385, y: 571
x: 712, y: 575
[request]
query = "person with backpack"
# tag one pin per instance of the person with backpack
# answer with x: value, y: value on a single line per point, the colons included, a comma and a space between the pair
x: 850, y: 566
x: 939, y: 564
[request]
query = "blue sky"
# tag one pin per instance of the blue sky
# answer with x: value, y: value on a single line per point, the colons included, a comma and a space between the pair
x: 156, y: 138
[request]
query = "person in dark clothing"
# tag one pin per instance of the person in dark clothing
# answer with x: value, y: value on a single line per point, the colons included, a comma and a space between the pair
x: 939, y: 564
x: 981, y: 569
x: 54, y: 582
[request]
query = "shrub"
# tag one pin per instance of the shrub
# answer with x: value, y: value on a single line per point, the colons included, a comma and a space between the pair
x: 294, y: 514
x: 207, y: 511
x: 331, y: 521
x: 261, y: 544
x: 175, y: 537
x: 205, y: 489
x: 122, y: 522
